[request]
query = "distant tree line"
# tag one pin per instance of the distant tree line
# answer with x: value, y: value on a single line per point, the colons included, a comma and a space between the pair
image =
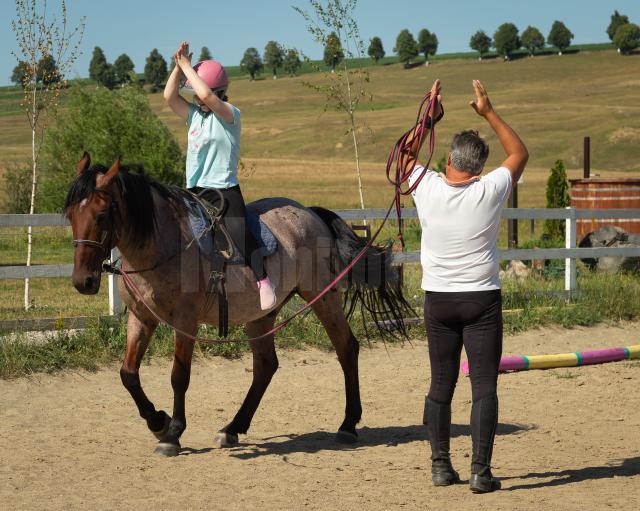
x: 506, y: 40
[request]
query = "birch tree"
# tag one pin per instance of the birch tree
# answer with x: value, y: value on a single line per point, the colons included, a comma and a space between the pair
x: 347, y: 87
x: 42, y: 37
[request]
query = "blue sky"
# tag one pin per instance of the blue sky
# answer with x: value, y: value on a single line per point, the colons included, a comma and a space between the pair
x: 227, y: 28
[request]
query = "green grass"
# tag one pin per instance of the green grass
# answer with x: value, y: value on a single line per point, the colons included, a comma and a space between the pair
x: 531, y: 304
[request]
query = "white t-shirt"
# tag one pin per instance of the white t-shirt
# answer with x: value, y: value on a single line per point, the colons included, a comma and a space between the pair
x: 460, y: 227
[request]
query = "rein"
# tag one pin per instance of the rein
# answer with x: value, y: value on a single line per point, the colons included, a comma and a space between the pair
x: 425, y: 121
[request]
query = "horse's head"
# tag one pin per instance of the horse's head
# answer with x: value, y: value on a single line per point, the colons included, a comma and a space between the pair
x: 91, y: 208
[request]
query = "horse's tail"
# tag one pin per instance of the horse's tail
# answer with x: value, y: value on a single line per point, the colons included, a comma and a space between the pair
x: 373, y: 284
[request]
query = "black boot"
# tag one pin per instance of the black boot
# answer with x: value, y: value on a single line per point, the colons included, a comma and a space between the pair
x: 437, y: 417
x: 484, y: 419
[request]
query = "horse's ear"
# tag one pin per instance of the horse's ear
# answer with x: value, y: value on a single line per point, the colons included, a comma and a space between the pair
x: 84, y: 163
x: 106, y: 179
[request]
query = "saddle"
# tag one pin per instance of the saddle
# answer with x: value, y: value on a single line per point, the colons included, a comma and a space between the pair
x: 213, y: 239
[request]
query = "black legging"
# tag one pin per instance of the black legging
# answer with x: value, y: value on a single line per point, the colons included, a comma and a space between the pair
x: 472, y: 319
x: 235, y: 221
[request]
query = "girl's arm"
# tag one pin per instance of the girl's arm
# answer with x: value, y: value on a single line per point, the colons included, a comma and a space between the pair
x: 171, y: 96
x: 205, y: 94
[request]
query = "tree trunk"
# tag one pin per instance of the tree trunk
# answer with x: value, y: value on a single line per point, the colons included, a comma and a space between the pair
x: 355, y: 140
x: 32, y: 202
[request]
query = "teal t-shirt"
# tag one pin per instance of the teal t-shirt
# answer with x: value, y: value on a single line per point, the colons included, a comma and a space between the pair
x: 213, y: 149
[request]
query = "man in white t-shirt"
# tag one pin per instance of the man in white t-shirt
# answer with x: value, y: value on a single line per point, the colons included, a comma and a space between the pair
x: 459, y: 213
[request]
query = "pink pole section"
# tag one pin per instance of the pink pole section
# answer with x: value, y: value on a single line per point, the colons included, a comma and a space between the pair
x: 600, y: 356
x: 509, y: 363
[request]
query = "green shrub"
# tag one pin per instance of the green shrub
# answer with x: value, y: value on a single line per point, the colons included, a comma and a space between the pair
x: 108, y: 124
x: 557, y: 197
x: 17, y: 189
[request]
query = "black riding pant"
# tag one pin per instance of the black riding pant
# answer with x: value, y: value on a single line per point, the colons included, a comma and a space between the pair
x: 235, y: 221
x: 472, y: 319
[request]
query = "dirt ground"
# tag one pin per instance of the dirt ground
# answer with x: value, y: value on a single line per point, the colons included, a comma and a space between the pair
x: 568, y: 438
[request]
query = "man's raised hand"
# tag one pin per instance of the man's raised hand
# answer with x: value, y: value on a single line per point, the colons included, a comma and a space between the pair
x: 482, y: 104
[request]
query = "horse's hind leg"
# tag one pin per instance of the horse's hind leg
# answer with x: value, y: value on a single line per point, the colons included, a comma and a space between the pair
x: 265, y: 364
x: 169, y: 443
x: 330, y: 313
x: 138, y: 336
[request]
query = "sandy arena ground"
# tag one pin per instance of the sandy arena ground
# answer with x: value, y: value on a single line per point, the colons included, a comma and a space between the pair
x: 569, y: 438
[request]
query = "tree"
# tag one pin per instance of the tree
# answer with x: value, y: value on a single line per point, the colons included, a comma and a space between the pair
x: 532, y: 40
x: 334, y: 19
x: 506, y: 40
x: 376, y: 50
x: 39, y: 36
x: 333, y: 53
x: 480, y: 42
x: 251, y: 62
x: 627, y: 38
x: 97, y: 65
x: 427, y: 44
x: 560, y: 36
x: 291, y: 62
x: 155, y: 70
x: 123, y: 69
x: 205, y: 54
x: 617, y: 20
x: 557, y: 197
x: 47, y: 72
x: 273, y: 57
x: 20, y: 72
x: 108, y: 124
x: 406, y: 47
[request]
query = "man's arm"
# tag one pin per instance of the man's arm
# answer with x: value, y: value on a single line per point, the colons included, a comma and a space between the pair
x: 517, y: 154
x: 409, y: 158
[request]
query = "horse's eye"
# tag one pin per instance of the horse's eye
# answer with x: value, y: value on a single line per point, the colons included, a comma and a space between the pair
x: 101, y: 221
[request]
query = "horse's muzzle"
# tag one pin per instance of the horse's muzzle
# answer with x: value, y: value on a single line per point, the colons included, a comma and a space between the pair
x: 88, y: 283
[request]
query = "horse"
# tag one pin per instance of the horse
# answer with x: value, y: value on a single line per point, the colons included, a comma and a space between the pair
x: 123, y: 207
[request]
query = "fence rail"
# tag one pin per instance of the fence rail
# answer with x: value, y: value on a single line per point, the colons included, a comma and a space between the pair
x: 570, y: 253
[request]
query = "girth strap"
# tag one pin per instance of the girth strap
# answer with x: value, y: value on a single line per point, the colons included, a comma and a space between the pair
x: 217, y: 287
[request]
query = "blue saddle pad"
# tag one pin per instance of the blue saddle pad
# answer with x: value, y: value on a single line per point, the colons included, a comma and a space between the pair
x: 199, y: 223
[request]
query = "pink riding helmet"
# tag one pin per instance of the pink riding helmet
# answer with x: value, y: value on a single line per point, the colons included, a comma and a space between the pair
x: 212, y: 73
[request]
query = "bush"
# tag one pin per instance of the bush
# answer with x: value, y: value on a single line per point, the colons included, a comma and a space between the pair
x: 557, y: 197
x: 17, y: 190
x: 108, y: 124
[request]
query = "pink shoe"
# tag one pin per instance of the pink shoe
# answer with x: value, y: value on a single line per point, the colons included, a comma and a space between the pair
x: 267, y: 294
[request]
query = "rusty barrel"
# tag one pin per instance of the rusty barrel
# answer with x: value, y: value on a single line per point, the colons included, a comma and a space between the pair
x: 605, y: 193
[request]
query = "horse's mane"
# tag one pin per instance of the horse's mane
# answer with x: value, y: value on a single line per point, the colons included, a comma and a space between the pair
x: 136, y: 189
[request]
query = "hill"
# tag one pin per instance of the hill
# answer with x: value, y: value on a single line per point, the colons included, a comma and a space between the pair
x: 291, y: 147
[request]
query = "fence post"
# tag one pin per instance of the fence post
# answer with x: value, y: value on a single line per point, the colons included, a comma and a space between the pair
x: 115, y: 303
x: 570, y: 242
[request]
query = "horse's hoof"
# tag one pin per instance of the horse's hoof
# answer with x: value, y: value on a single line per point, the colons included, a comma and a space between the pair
x: 165, y: 427
x: 346, y: 437
x: 167, y: 449
x: 224, y: 439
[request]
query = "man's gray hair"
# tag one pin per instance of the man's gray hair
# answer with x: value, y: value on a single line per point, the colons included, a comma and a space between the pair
x: 469, y: 152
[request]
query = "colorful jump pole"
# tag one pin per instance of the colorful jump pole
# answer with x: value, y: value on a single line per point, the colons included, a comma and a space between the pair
x: 579, y: 358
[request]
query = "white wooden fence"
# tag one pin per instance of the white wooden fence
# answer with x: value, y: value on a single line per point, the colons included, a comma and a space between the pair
x: 570, y: 253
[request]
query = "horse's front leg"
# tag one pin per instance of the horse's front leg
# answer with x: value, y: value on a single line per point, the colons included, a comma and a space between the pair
x: 265, y: 364
x: 138, y: 336
x: 169, y: 444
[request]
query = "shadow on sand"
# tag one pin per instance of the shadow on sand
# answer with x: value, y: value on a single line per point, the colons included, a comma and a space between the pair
x: 620, y: 468
x: 368, y: 437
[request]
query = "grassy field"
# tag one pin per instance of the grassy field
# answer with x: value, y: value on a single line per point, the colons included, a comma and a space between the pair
x: 291, y: 147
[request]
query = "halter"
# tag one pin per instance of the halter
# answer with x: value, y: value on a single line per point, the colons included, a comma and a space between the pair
x: 109, y: 236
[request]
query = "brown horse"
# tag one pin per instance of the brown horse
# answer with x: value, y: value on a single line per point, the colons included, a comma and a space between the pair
x: 146, y: 222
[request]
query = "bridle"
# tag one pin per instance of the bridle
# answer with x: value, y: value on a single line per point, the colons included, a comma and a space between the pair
x: 109, y: 235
